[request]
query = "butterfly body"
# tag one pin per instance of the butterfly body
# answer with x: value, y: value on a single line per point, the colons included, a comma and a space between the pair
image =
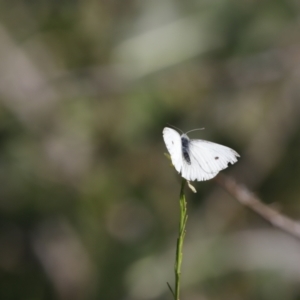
x: 185, y: 148
x: 197, y: 159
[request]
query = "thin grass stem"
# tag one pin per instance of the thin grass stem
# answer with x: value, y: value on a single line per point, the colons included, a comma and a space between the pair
x: 180, y: 239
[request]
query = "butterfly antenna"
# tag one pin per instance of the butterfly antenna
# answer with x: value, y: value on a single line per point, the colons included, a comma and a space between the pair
x: 175, y: 127
x: 195, y: 130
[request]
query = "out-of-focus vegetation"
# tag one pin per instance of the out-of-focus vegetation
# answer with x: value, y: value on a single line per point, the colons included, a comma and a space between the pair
x: 88, y: 202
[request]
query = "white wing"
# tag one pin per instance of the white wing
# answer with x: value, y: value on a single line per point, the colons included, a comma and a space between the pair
x: 207, y: 160
x: 173, y: 142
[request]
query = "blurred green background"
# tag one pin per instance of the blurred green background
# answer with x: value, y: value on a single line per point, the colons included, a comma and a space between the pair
x: 88, y: 202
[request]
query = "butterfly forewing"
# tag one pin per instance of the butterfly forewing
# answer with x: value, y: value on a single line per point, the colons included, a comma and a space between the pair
x: 173, y: 142
x: 210, y: 157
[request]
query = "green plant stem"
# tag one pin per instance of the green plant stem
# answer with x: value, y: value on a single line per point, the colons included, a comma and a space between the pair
x: 182, y: 224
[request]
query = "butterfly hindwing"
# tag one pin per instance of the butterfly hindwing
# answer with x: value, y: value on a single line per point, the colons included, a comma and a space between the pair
x: 195, y: 170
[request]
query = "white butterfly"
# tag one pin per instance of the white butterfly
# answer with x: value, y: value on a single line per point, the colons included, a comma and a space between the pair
x: 197, y: 159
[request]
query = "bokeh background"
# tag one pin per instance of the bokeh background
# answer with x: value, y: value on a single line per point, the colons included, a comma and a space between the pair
x: 88, y: 201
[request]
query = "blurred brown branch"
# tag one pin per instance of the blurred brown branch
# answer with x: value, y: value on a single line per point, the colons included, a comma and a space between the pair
x: 245, y: 197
